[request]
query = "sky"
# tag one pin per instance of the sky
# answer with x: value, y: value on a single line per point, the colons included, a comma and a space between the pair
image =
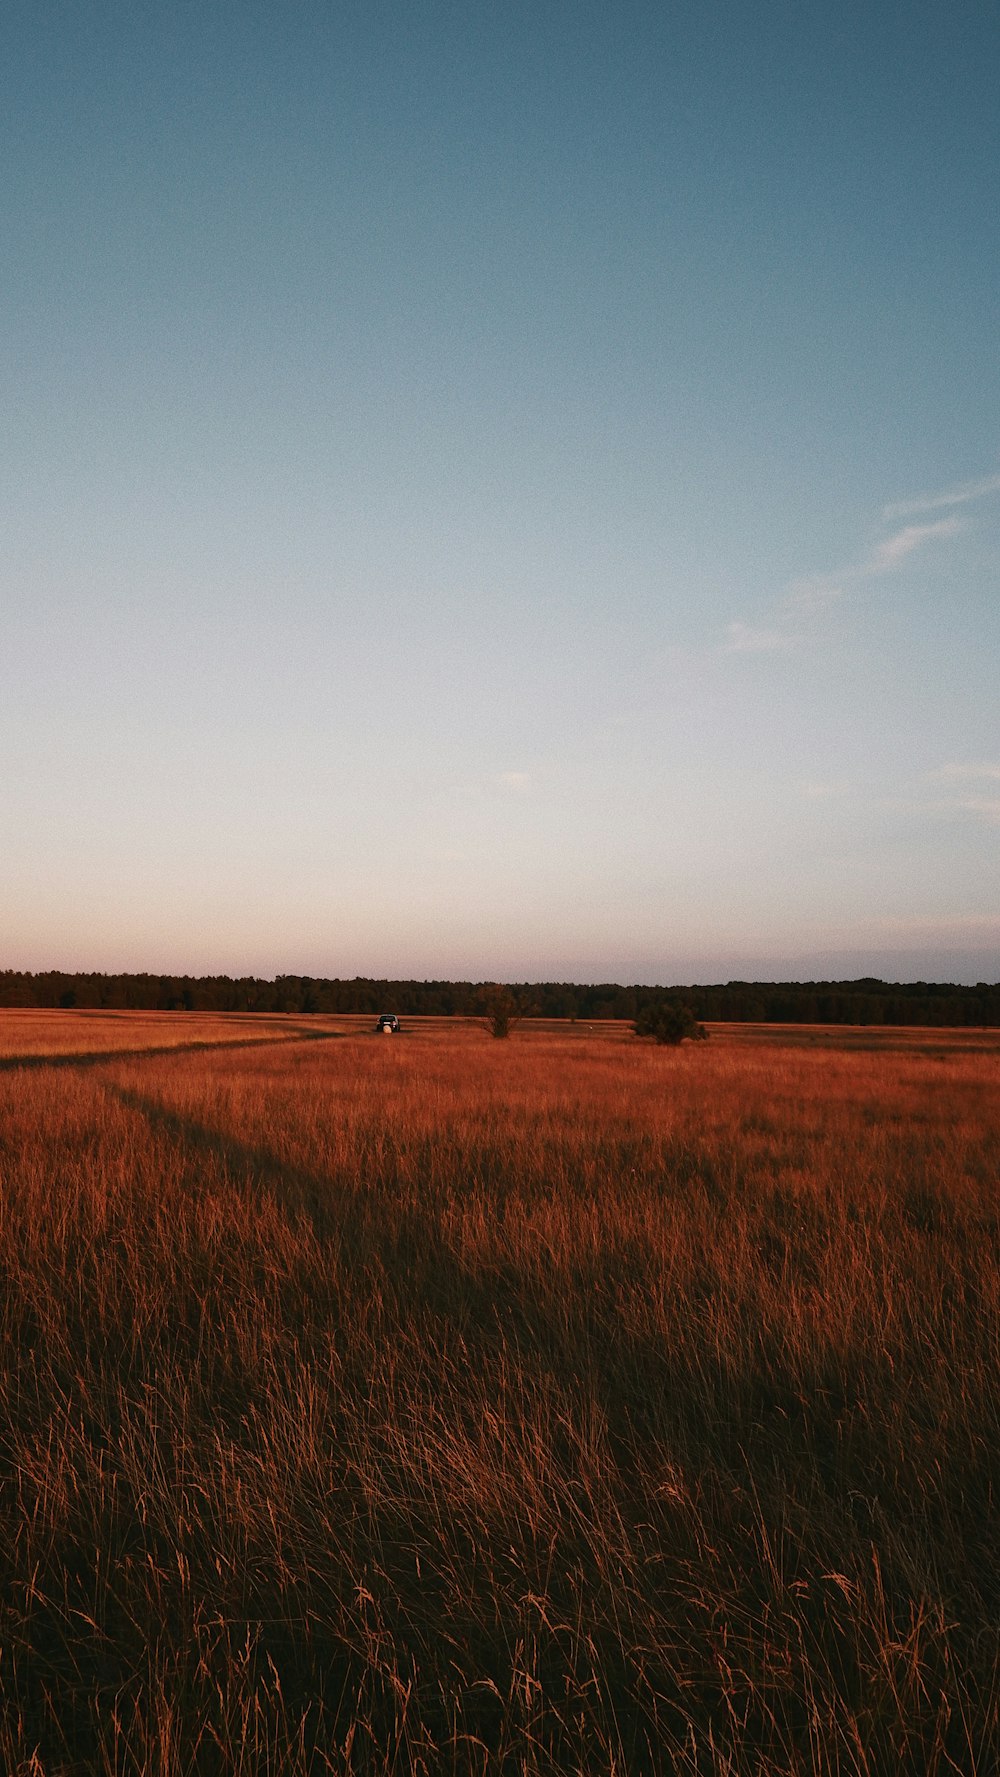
x: 500, y: 490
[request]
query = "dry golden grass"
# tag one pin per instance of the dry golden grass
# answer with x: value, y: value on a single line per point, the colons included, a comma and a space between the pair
x: 85, y: 1035
x: 557, y: 1405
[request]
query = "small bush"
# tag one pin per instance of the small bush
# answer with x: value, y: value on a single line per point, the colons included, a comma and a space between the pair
x: 669, y: 1021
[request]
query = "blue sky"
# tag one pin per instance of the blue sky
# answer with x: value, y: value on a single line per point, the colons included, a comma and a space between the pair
x: 502, y: 490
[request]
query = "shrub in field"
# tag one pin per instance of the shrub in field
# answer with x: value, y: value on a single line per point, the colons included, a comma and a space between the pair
x: 669, y: 1021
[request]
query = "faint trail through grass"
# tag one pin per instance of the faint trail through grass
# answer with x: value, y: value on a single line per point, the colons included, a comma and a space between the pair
x: 92, y: 1057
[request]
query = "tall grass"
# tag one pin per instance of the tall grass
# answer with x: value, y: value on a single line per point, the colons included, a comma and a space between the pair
x: 565, y: 1405
x: 28, y: 1035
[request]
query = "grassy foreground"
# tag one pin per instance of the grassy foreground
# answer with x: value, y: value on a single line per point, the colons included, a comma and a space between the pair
x: 558, y: 1405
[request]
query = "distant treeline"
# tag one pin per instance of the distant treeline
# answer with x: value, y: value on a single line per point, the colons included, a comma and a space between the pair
x: 868, y: 1001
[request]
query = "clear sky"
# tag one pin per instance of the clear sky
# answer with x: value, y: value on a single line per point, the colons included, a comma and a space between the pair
x: 501, y: 489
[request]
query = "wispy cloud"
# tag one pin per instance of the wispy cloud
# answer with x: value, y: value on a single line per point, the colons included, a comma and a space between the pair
x: 961, y: 772
x: 972, y: 785
x: 743, y: 638
x: 894, y: 550
x: 804, y: 597
x: 987, y: 808
x: 959, y: 926
x: 513, y: 780
x: 812, y: 593
x: 819, y: 791
x: 816, y: 590
x: 958, y: 496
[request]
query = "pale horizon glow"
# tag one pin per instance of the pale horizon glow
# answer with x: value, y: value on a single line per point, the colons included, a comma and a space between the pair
x: 505, y: 493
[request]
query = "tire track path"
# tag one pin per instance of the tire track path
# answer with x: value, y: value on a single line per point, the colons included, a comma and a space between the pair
x: 94, y: 1057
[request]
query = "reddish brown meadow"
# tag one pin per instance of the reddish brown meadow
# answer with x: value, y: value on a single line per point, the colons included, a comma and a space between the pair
x: 435, y: 1404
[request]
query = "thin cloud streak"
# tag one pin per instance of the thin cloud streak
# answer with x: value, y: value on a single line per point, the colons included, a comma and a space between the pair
x: 959, y: 496
x: 987, y: 807
x: 805, y: 597
x: 957, y: 772
x: 816, y: 590
x: 813, y: 592
x: 945, y: 929
x: 742, y: 638
x: 887, y: 557
x: 821, y: 791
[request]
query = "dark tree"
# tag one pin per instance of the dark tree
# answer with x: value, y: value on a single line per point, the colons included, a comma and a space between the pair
x: 500, y: 1007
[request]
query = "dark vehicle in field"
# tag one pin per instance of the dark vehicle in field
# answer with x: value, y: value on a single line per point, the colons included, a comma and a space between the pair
x: 388, y: 1024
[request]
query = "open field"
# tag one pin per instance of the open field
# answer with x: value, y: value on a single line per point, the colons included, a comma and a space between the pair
x: 556, y: 1405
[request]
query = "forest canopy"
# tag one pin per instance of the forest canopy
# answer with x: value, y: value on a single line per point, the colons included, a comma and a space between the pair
x: 866, y: 1001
